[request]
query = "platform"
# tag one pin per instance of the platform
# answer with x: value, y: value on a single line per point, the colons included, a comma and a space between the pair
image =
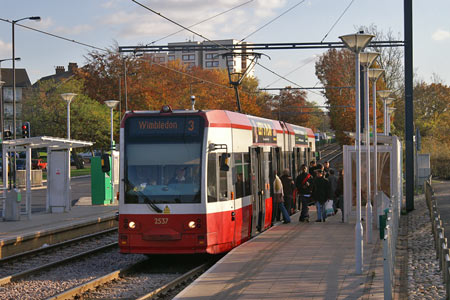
x: 47, y: 228
x: 295, y: 261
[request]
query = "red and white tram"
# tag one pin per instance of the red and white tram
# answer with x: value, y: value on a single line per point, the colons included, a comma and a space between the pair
x: 201, y: 181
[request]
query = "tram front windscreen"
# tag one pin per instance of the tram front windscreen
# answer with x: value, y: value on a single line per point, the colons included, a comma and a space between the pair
x: 163, y: 159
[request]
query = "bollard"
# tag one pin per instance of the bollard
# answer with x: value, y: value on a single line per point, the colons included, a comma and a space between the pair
x: 445, y: 265
x: 447, y: 281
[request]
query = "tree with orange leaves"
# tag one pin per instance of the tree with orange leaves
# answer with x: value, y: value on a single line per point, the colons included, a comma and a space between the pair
x: 150, y: 85
x: 335, y: 69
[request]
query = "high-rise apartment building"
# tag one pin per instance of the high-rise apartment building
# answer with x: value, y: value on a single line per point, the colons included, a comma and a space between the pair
x: 191, y: 55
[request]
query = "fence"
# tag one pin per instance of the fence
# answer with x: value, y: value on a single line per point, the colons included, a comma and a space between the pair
x: 392, y: 213
x: 440, y: 241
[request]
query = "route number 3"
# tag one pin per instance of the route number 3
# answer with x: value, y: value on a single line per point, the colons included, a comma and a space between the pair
x: 191, y: 125
x: 161, y: 221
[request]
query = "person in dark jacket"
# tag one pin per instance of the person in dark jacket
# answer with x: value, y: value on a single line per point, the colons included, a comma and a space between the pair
x: 326, y: 169
x: 303, y: 183
x: 312, y: 168
x: 288, y: 190
x: 320, y: 193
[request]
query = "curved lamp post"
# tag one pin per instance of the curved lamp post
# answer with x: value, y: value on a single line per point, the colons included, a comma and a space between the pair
x: 367, y: 59
x: 356, y: 43
x: 374, y: 74
x: 35, y: 18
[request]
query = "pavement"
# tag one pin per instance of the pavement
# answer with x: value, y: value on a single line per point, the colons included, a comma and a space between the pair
x: 295, y: 261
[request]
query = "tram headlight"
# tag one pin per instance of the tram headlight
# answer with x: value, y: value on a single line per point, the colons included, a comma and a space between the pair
x: 192, y: 224
x: 132, y: 225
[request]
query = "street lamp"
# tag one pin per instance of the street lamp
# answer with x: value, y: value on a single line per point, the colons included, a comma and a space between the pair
x: 2, y: 125
x: 390, y: 111
x: 68, y: 98
x: 36, y: 18
x: 356, y: 43
x: 367, y: 59
x: 112, y: 104
x: 374, y: 74
x: 386, y: 102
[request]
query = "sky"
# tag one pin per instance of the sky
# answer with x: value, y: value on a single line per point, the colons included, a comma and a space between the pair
x: 108, y: 23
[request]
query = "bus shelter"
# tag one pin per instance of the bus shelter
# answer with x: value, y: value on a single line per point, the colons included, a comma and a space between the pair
x: 58, y: 173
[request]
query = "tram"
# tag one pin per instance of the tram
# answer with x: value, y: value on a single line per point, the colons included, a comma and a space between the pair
x: 201, y: 181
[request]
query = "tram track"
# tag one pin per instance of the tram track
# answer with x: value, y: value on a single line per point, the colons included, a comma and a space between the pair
x: 18, y: 266
x: 122, y: 284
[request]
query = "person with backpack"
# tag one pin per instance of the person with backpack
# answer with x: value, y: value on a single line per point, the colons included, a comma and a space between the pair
x: 303, y: 183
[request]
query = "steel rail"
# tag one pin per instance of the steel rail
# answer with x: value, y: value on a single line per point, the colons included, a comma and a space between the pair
x: 52, y: 246
x: 94, y: 283
x: 14, y: 277
x: 175, y: 282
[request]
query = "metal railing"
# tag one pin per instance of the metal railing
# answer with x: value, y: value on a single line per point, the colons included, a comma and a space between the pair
x: 390, y: 245
x: 440, y: 241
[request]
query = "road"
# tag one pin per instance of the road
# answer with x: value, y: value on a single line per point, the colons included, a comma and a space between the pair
x: 81, y: 187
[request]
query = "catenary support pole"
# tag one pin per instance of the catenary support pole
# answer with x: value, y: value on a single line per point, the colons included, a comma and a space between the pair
x: 409, y: 106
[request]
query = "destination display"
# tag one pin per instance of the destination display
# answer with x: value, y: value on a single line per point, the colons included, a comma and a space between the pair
x: 263, y: 131
x: 164, y: 126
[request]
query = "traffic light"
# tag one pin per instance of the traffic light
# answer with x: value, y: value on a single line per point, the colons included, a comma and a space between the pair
x: 26, y: 130
x: 7, y: 134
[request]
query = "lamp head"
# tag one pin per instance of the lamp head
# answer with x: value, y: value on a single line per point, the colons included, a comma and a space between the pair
x: 356, y: 42
x: 367, y: 58
x: 384, y: 94
x: 374, y: 74
x: 389, y: 101
x: 35, y: 18
x: 68, y: 97
x: 111, y: 103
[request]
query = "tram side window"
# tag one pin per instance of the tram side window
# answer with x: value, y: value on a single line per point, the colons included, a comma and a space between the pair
x: 247, y: 174
x: 238, y: 175
x: 223, y: 186
x: 212, y: 178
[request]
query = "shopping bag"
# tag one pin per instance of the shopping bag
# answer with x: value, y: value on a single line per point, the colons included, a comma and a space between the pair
x: 329, y: 209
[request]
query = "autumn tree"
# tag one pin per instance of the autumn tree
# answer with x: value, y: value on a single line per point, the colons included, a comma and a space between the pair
x: 151, y: 85
x: 335, y: 68
x: 290, y: 106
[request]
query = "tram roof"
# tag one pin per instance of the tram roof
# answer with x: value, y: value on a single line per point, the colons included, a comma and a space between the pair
x: 225, y: 118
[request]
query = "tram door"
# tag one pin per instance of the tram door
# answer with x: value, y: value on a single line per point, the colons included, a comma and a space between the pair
x: 257, y: 186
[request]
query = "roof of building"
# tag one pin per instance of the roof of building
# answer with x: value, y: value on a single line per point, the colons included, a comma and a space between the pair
x: 22, y: 79
x: 60, y: 74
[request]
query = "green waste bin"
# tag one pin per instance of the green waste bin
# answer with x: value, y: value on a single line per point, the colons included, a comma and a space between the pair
x: 101, y: 189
